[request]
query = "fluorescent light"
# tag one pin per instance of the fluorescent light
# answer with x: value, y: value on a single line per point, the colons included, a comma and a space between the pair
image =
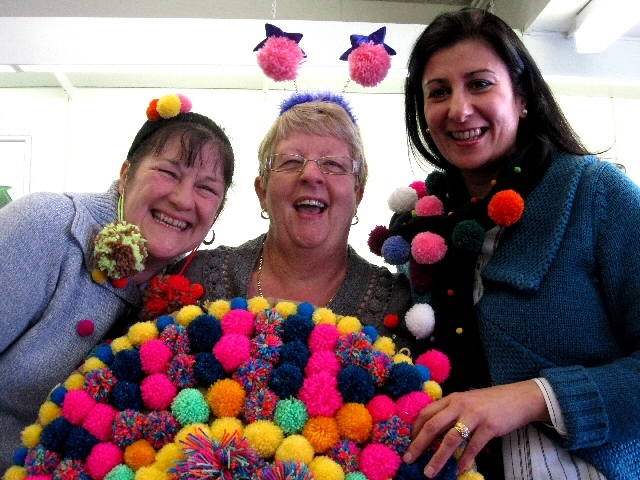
x: 602, y: 22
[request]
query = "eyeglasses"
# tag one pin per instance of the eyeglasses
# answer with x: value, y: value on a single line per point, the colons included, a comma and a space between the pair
x: 288, y: 162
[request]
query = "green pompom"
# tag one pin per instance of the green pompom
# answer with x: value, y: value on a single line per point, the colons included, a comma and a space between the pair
x: 120, y: 250
x: 355, y: 476
x: 436, y: 184
x: 120, y: 472
x: 290, y: 415
x: 190, y: 407
x: 468, y: 235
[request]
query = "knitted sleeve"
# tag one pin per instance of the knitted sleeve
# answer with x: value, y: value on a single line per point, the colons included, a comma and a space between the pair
x: 34, y: 239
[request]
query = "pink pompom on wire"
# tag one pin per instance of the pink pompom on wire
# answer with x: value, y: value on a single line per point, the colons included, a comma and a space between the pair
x: 429, y: 205
x: 279, y: 58
x: 409, y: 406
x: 428, y: 248
x: 99, y: 421
x: 420, y: 187
x: 185, y: 103
x: 379, y: 462
x: 381, y: 408
x: 155, y: 356
x: 369, y: 64
x: 437, y: 363
x: 158, y: 391
x: 238, y: 321
x: 77, y: 405
x: 102, y: 459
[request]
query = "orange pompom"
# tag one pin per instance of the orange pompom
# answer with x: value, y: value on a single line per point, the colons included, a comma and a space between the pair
x: 139, y: 454
x: 226, y: 398
x: 152, y: 110
x: 391, y: 321
x: 354, y: 422
x: 506, y: 207
x: 322, y: 433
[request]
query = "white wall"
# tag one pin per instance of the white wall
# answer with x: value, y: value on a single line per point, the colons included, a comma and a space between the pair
x: 79, y: 144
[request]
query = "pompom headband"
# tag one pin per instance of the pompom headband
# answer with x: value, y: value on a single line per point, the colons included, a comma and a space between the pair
x: 298, y: 98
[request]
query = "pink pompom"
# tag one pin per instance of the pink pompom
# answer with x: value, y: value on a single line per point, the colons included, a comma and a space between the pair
x: 323, y: 337
x: 379, y: 462
x: 99, y: 421
x: 185, y: 103
x: 238, y: 321
x: 323, y: 361
x: 155, y: 356
x: 369, y: 64
x: 102, y: 459
x: 77, y: 405
x: 409, y: 405
x: 158, y: 391
x: 39, y: 477
x: 320, y: 394
x: 428, y: 248
x: 437, y: 363
x: 381, y: 408
x: 279, y: 58
x: 231, y: 350
x: 429, y: 206
x: 85, y: 328
x: 420, y: 188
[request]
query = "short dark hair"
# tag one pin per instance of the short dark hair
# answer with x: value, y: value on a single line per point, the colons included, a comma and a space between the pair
x: 195, y: 132
x: 544, y: 122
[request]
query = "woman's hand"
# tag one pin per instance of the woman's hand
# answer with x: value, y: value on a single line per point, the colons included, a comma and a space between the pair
x: 487, y: 413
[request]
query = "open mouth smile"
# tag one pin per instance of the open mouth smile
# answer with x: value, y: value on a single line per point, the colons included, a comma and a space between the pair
x: 170, y: 222
x: 472, y: 134
x: 310, y: 206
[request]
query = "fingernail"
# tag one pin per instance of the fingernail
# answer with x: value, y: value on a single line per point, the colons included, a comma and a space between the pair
x: 428, y: 472
x: 408, y: 458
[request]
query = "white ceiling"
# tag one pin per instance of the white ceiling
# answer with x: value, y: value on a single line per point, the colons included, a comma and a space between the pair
x: 139, y: 42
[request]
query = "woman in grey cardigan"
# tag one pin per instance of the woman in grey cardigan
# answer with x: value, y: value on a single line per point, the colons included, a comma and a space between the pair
x: 54, y: 307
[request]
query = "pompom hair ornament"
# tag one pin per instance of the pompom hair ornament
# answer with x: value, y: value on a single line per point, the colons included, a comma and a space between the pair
x: 279, y: 55
x: 369, y: 58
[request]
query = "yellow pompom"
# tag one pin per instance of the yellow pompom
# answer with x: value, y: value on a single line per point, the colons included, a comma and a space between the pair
x: 74, y: 382
x: 385, y: 345
x: 470, y: 475
x: 15, y: 473
x: 151, y: 473
x: 324, y: 315
x: 433, y: 389
x: 295, y: 448
x: 218, y: 309
x: 322, y: 433
x: 286, y: 308
x: 141, y: 332
x: 226, y: 425
x: 98, y: 275
x: 169, y: 105
x: 119, y: 344
x: 257, y: 304
x: 354, y: 422
x: 323, y: 468
x: 92, y: 363
x: 194, y: 428
x: 226, y: 398
x: 31, y: 435
x: 349, y: 325
x: 166, y: 456
x: 401, y: 357
x: 264, y: 437
x: 48, y: 412
x: 139, y: 454
x: 187, y: 313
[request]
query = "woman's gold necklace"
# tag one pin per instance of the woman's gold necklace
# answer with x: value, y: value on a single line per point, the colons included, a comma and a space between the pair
x: 260, y: 284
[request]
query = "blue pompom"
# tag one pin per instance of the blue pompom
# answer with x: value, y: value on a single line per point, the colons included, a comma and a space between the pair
x: 126, y: 395
x: 104, y: 353
x: 396, y: 250
x: 79, y: 444
x: 356, y: 385
x: 371, y: 333
x: 19, y: 455
x: 448, y: 472
x: 306, y: 309
x: 297, y: 327
x: 58, y: 394
x: 409, y: 472
x: 424, y: 372
x: 204, y: 332
x: 55, y: 434
x: 403, y: 378
x: 296, y: 353
x: 207, y: 369
x: 286, y: 381
x: 127, y: 366
x: 239, y: 303
x: 164, y: 321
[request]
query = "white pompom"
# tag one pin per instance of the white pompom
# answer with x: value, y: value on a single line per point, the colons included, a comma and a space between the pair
x: 403, y: 199
x: 420, y: 320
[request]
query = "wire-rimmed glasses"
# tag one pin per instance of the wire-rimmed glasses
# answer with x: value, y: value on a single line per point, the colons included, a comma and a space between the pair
x: 331, y: 165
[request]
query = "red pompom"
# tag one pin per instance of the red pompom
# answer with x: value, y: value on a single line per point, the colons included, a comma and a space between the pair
x: 391, y: 321
x: 506, y: 207
x: 119, y: 282
x: 279, y: 58
x: 152, y: 111
x: 421, y: 276
x: 377, y: 238
x: 197, y: 290
x: 420, y: 187
x: 85, y: 328
x: 369, y: 64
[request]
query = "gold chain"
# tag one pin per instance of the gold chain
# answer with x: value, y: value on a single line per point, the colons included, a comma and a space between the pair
x: 260, y: 284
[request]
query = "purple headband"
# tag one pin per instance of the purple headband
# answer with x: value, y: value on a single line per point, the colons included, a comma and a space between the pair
x: 305, y: 97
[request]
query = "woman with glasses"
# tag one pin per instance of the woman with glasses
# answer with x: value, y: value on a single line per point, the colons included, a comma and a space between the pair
x: 312, y: 175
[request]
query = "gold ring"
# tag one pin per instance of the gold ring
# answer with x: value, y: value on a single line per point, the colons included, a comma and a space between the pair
x: 462, y: 430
